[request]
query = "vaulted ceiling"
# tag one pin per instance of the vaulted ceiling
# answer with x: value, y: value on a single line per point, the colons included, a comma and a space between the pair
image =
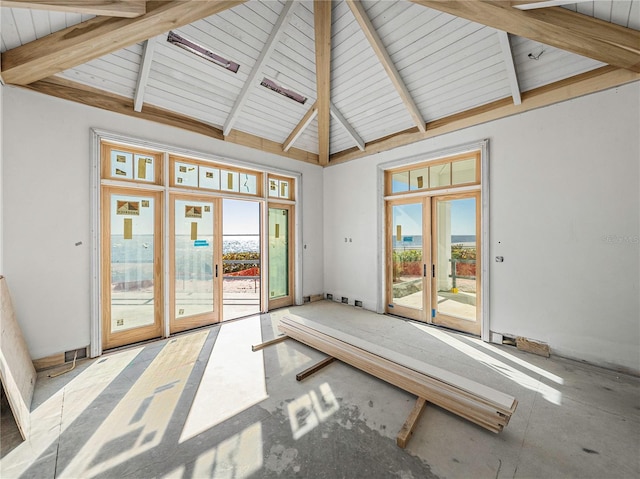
x: 374, y: 74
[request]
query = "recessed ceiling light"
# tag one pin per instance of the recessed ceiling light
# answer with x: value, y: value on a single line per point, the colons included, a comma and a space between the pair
x: 271, y: 85
x: 202, y: 52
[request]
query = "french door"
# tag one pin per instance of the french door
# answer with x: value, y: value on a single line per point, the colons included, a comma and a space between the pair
x: 433, y: 260
x: 195, y: 261
x: 131, y: 266
x: 408, y: 258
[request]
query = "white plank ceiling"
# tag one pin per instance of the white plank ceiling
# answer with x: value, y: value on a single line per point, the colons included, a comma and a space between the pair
x: 447, y: 64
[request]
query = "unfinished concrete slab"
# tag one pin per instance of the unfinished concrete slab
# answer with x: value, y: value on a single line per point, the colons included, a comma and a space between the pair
x: 127, y: 414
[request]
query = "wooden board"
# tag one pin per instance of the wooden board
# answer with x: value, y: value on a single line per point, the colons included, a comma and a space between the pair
x: 468, y: 385
x: 16, y: 369
x: 461, y: 399
x: 530, y: 346
x: 407, y: 428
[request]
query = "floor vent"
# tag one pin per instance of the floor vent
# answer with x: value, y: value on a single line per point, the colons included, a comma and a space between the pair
x: 69, y: 355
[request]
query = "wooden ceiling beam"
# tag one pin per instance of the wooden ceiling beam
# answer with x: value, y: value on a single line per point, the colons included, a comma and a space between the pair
x: 510, y: 66
x: 109, y: 8
x: 357, y: 139
x: 574, y: 87
x: 100, y: 36
x: 555, y: 26
x: 322, y: 26
x: 383, y: 56
x: 143, y: 72
x: 76, y: 92
x: 265, y: 55
x: 302, y: 125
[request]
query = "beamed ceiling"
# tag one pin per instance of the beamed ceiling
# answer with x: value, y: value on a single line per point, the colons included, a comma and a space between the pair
x: 375, y: 74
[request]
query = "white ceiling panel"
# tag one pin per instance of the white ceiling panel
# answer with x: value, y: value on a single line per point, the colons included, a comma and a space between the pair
x: 552, y: 64
x: 447, y: 64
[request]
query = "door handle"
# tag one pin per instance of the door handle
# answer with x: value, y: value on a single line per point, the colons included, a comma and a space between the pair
x: 216, y: 271
x: 424, y: 270
x: 433, y: 270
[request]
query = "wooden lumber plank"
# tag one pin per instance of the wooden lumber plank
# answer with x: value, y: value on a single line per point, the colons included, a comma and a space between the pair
x: 530, y: 346
x: 314, y: 369
x: 479, y: 410
x: 408, y: 376
x: 440, y: 374
x: 402, y: 377
x: 17, y: 373
x: 49, y: 362
x: 279, y: 339
x: 406, y: 431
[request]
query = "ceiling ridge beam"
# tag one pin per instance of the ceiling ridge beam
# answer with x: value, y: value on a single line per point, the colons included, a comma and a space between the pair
x: 383, y: 56
x: 143, y: 72
x: 322, y: 29
x: 357, y: 139
x: 110, y: 8
x: 587, y: 83
x: 263, y: 58
x: 94, y: 97
x: 512, y: 76
x: 302, y: 125
x: 100, y: 36
x: 559, y: 27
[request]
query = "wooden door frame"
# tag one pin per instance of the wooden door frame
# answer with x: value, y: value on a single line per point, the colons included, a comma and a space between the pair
x: 112, y: 340
x: 290, y: 298
x: 410, y: 313
x: 453, y: 322
x: 202, y: 319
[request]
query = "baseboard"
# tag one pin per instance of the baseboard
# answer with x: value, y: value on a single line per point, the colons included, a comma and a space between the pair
x: 59, y: 359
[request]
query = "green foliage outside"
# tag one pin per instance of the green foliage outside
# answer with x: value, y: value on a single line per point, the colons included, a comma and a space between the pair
x: 407, y: 256
x: 235, y: 267
x: 460, y: 252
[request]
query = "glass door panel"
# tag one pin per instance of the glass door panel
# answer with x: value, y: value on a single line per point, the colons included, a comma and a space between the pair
x: 280, y: 261
x: 455, y: 282
x: 241, y: 258
x: 406, y: 266
x: 193, y: 265
x: 132, y: 300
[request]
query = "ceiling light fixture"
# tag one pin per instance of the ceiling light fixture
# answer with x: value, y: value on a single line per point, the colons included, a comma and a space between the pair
x: 202, y: 52
x: 271, y: 85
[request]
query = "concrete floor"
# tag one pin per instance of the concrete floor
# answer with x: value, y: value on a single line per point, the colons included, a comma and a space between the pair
x: 203, y: 405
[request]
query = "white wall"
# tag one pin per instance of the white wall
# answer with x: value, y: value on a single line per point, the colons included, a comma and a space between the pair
x: 565, y: 214
x: 1, y: 178
x: 47, y: 210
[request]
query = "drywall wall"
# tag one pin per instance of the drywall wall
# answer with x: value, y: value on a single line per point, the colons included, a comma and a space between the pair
x: 564, y: 213
x: 1, y: 176
x: 47, y: 213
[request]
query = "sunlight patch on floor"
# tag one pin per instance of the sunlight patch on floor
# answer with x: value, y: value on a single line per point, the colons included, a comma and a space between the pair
x: 309, y: 410
x: 524, y: 364
x: 233, y: 379
x: 237, y: 457
x: 140, y: 420
x: 70, y: 402
x: 550, y: 394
